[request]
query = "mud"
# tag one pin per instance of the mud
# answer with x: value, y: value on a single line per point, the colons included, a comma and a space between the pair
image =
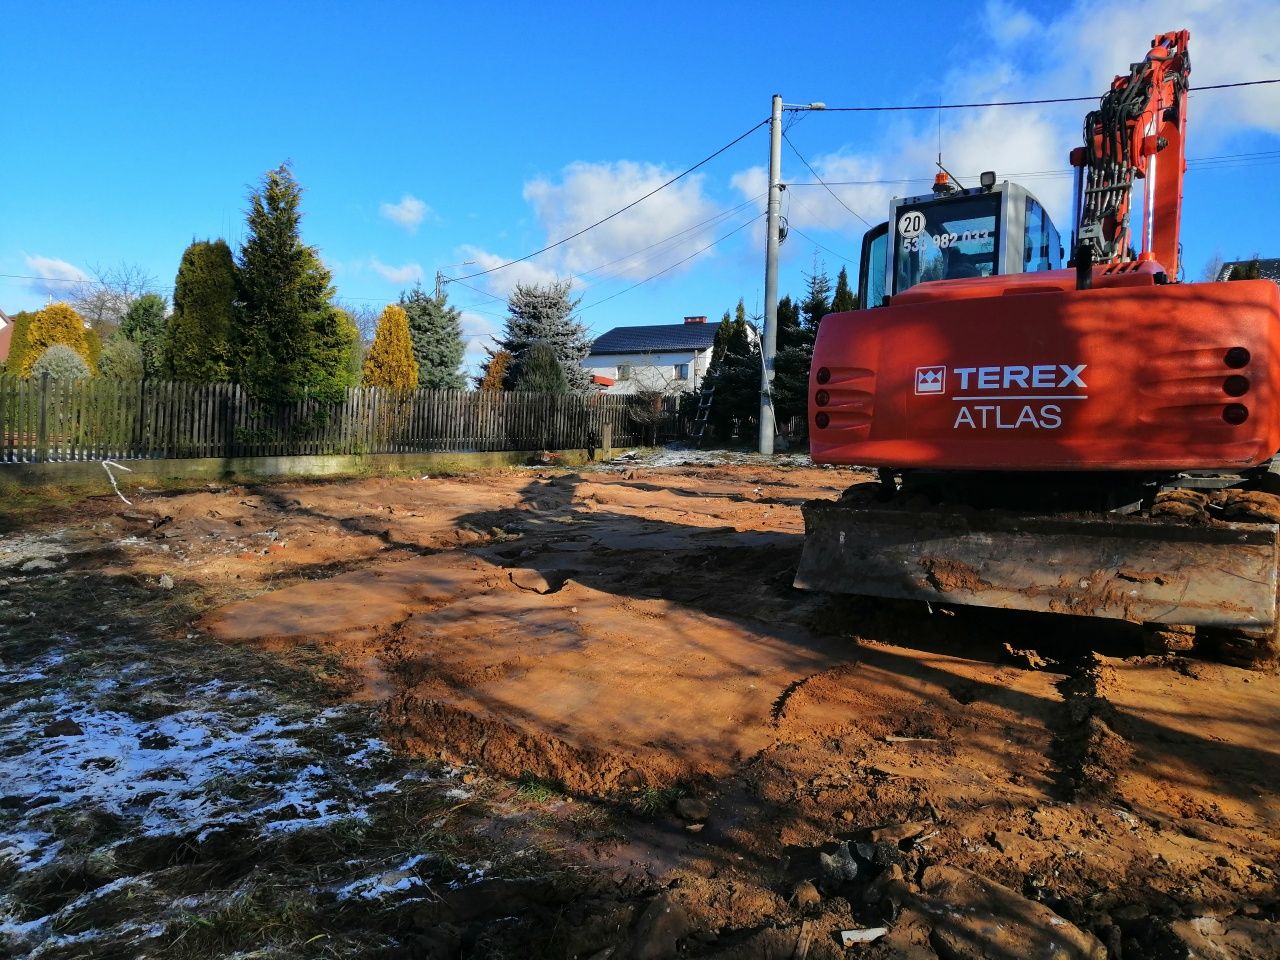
x: 630, y: 638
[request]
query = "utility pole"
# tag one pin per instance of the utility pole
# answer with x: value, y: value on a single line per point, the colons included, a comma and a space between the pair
x: 441, y: 279
x: 769, y: 342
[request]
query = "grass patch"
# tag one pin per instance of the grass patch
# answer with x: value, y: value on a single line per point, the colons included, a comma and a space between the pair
x: 656, y: 801
x: 533, y: 789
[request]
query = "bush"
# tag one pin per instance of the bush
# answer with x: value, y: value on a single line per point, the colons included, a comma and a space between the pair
x: 60, y: 362
x: 55, y: 324
x: 121, y: 360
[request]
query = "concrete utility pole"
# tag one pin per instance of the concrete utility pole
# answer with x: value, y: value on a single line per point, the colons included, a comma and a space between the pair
x: 769, y: 339
x: 769, y: 342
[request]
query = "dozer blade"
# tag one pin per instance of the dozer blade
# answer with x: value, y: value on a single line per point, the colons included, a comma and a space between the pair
x: 1127, y: 568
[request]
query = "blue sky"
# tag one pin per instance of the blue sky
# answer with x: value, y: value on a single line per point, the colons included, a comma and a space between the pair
x: 430, y: 134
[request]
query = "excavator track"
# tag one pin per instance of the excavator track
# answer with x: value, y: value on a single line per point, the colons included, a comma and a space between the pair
x: 1199, y: 569
x: 1245, y: 648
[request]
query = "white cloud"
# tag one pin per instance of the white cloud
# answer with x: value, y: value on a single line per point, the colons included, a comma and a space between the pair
x: 502, y: 282
x: 55, y: 275
x: 652, y: 236
x: 1007, y: 24
x: 408, y: 213
x: 409, y: 273
x: 478, y: 329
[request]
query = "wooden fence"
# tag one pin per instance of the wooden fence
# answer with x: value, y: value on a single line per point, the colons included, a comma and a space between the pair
x: 99, y: 419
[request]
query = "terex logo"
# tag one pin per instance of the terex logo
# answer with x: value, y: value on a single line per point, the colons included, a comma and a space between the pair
x: 931, y: 379
x: 1007, y: 397
x: 1042, y: 376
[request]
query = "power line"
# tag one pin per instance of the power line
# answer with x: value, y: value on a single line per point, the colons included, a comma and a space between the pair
x: 823, y: 182
x: 678, y: 176
x: 1013, y: 103
x: 1259, y: 158
x: 746, y: 223
x: 840, y: 256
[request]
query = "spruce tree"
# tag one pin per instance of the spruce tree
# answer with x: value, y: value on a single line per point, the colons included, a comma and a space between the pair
x: 390, y: 361
x: 790, y: 387
x: 436, y: 330
x: 844, y: 300
x: 735, y: 375
x: 544, y: 314
x: 143, y: 324
x: 198, y: 334
x: 538, y: 370
x: 290, y: 341
x: 56, y: 323
x: 817, y: 301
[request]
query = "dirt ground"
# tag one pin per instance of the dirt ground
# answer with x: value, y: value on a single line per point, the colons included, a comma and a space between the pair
x: 661, y: 746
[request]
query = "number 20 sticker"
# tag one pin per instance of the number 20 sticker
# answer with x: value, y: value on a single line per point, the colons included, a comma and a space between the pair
x: 911, y: 224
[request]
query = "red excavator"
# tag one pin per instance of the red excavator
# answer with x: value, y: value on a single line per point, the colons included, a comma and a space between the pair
x: 1096, y: 440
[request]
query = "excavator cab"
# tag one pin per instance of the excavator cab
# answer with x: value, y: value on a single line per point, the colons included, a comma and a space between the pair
x: 978, y: 232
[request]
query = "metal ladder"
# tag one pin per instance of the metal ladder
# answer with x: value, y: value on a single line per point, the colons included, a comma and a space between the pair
x: 705, y: 396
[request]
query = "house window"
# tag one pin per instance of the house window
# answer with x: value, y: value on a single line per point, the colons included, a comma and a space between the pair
x: 624, y: 371
x: 682, y: 371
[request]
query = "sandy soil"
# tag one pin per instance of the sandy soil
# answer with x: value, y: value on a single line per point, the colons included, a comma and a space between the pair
x: 785, y: 766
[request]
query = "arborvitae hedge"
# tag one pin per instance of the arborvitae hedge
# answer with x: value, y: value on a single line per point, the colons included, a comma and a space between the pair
x: 198, y: 333
x: 390, y: 361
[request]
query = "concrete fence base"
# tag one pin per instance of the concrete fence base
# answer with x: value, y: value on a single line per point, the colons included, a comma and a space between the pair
x: 92, y: 474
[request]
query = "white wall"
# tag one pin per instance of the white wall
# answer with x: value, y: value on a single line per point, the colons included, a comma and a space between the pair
x: 650, y: 371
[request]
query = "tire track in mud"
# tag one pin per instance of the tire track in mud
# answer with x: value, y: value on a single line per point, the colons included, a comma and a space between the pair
x: 1088, y: 751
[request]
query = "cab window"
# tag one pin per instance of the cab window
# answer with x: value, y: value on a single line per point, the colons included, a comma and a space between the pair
x: 947, y: 240
x: 1041, y: 244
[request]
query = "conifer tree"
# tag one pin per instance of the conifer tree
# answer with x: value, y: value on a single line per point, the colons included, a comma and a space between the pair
x: 56, y: 323
x: 1246, y: 271
x: 350, y: 332
x: 92, y: 347
x: 844, y: 300
x: 436, y: 330
x: 790, y: 387
x: 735, y: 375
x: 544, y: 314
x: 538, y: 370
x: 17, y: 342
x: 390, y: 362
x: 817, y: 301
x: 495, y: 371
x: 290, y: 340
x: 144, y: 324
x: 198, y: 333
x: 60, y: 362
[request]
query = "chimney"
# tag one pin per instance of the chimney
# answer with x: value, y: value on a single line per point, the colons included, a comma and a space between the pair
x: 695, y: 319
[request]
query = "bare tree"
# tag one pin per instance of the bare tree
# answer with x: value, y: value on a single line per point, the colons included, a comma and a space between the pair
x: 365, y: 315
x: 103, y: 299
x: 1212, y: 269
x: 652, y: 396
